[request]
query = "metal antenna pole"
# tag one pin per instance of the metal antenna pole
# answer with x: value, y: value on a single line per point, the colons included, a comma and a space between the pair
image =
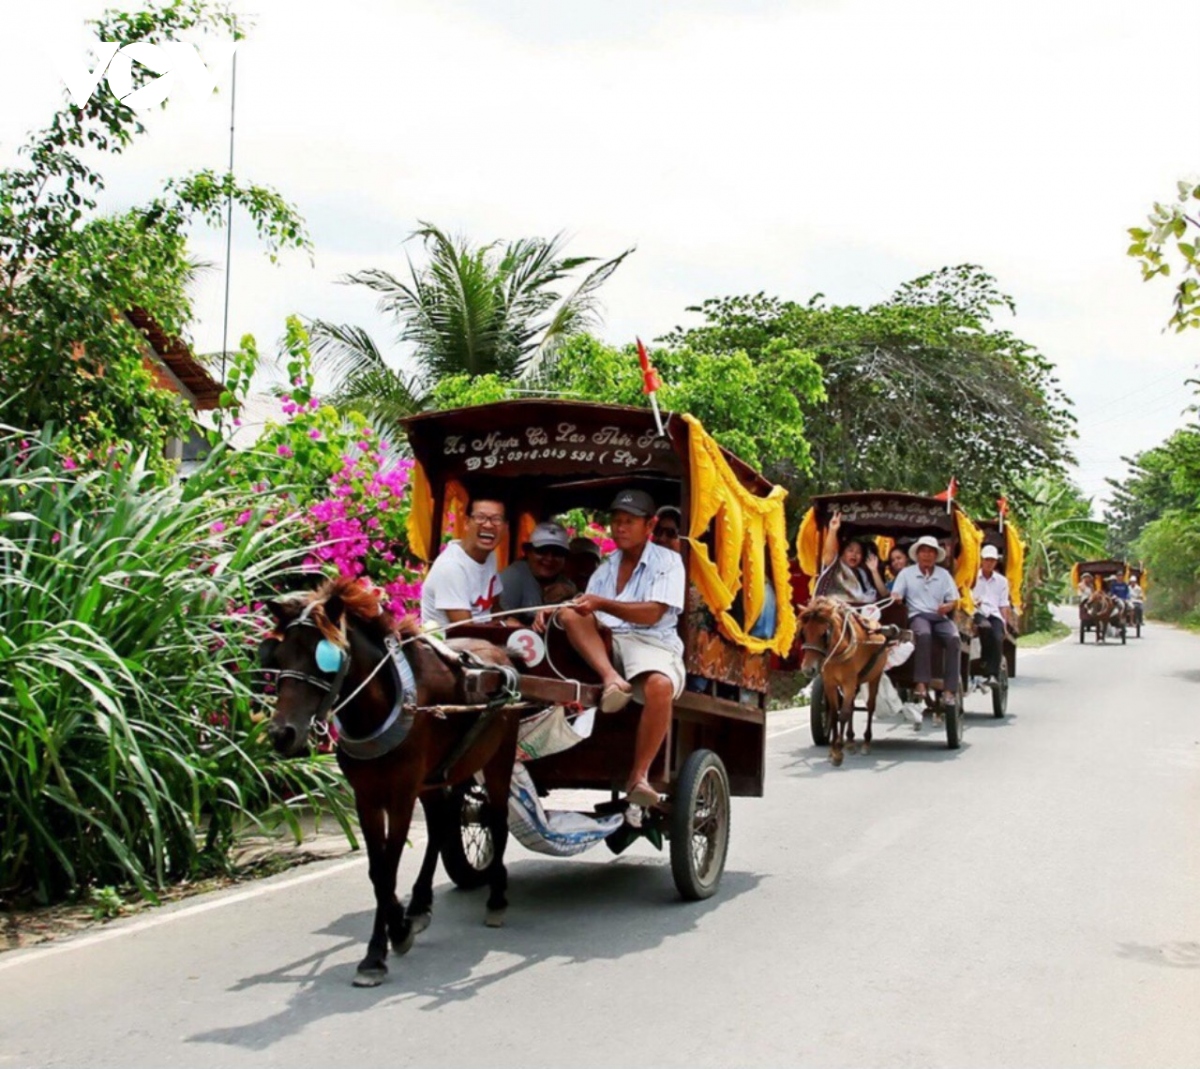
x: 229, y: 218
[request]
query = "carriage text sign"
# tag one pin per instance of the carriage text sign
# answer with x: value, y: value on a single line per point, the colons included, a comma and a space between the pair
x: 592, y: 448
x: 178, y: 65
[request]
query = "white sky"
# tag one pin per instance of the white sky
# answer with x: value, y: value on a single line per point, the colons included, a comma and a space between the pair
x: 790, y: 146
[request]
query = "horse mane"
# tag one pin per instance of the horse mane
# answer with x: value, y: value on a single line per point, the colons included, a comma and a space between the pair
x: 820, y: 608
x: 361, y: 601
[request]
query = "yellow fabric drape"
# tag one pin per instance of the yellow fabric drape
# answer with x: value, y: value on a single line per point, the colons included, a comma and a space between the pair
x: 970, y: 542
x: 420, y: 515
x: 1014, y: 566
x: 748, y: 527
x: 1075, y: 577
x: 808, y: 544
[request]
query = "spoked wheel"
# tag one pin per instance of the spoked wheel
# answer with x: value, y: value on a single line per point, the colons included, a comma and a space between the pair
x: 1000, y: 692
x: 467, y: 854
x: 818, y: 713
x: 700, y: 825
x: 953, y: 715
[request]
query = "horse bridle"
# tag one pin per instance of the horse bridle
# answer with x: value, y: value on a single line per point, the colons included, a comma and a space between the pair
x: 826, y: 652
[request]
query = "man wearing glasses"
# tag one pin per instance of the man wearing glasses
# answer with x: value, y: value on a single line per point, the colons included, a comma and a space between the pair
x: 668, y: 524
x: 539, y: 578
x: 462, y: 583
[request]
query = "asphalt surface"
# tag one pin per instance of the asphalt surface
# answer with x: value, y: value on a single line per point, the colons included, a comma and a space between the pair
x: 1031, y: 899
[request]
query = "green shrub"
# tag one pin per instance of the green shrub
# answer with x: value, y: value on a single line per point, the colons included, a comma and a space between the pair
x: 129, y: 748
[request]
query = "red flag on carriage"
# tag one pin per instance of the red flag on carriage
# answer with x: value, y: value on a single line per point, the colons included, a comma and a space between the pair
x: 651, y: 383
x: 947, y: 495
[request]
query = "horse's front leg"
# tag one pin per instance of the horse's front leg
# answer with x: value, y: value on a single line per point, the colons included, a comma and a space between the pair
x: 833, y: 702
x: 372, y: 820
x: 420, y: 906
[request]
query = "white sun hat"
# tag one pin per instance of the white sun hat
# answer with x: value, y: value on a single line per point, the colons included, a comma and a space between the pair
x: 990, y: 553
x: 930, y: 542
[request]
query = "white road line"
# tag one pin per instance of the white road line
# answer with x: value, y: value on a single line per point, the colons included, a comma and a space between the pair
x: 14, y: 958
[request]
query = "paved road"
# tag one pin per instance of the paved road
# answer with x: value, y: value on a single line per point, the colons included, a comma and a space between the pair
x: 1033, y: 899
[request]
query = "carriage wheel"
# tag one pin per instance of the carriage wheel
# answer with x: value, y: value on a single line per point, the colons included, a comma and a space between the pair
x: 818, y: 713
x: 699, y: 825
x: 1082, y: 631
x: 1000, y: 692
x: 467, y: 854
x: 953, y: 715
x: 1124, y: 629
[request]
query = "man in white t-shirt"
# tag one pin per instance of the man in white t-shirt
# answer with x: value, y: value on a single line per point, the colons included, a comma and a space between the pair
x: 993, y: 610
x: 462, y: 583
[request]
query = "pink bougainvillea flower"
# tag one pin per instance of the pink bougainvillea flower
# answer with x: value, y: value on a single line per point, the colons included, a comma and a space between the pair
x: 69, y: 464
x: 244, y: 518
x: 55, y: 538
x: 284, y: 451
x: 217, y: 527
x: 314, y: 434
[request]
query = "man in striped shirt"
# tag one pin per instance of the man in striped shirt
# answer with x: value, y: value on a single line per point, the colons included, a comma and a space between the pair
x: 637, y: 593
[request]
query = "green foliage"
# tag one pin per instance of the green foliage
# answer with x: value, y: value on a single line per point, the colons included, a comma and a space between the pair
x: 1169, y: 547
x: 128, y: 748
x: 469, y: 310
x: 1161, y: 480
x: 68, y: 276
x: 106, y: 903
x: 916, y: 389
x: 1058, y: 529
x: 1173, y: 240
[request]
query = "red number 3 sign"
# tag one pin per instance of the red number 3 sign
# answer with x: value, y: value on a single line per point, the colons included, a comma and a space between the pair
x: 526, y: 646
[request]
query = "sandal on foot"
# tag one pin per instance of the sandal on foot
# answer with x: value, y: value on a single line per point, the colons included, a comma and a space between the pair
x: 641, y: 793
x: 614, y: 698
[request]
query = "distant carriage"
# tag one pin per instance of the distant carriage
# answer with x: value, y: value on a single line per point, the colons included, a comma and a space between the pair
x: 894, y: 518
x: 1098, y: 615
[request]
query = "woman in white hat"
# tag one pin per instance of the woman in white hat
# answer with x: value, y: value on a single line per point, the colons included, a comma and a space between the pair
x: 930, y: 596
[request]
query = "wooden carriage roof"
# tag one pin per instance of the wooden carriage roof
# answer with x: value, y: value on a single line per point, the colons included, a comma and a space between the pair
x: 1101, y: 567
x: 581, y: 452
x: 887, y: 512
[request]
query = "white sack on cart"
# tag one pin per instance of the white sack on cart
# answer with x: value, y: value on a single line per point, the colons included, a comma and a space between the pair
x: 899, y: 653
x: 556, y: 832
x: 887, y: 701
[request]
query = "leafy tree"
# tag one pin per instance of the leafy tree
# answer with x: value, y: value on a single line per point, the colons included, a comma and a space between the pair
x: 469, y: 310
x: 1169, y: 547
x: 1171, y: 225
x: 916, y: 389
x: 68, y: 355
x: 1161, y: 480
x: 751, y: 408
x: 1058, y: 528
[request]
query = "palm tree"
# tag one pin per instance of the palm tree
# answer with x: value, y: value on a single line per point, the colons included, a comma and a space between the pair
x: 1058, y: 528
x: 482, y: 310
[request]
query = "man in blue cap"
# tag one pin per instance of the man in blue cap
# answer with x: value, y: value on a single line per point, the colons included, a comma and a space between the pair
x: 637, y: 593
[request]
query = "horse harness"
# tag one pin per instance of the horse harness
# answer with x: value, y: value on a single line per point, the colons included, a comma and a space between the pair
x: 827, y: 653
x: 490, y: 686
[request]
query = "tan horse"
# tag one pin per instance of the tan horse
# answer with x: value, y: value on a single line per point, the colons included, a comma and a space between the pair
x: 836, y: 640
x: 1098, y: 609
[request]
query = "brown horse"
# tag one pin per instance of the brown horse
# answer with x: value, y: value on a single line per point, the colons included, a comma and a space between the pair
x: 836, y: 639
x: 1098, y: 610
x: 335, y: 646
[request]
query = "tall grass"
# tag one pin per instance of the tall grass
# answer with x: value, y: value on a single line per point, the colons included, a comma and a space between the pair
x: 129, y: 752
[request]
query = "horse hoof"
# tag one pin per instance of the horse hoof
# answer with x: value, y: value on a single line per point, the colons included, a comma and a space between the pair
x: 369, y: 977
x: 404, y: 945
x: 835, y: 759
x: 494, y: 918
x: 420, y: 921
x: 866, y: 749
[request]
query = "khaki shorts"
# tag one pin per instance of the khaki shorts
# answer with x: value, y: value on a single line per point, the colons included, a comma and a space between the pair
x: 634, y: 655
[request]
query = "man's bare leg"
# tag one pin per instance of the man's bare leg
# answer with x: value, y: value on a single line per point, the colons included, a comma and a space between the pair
x: 584, y: 635
x: 652, y: 727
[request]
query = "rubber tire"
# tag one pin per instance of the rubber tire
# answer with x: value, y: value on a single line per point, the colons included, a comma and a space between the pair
x: 701, y: 765
x: 818, y: 713
x: 458, y: 865
x: 1000, y: 692
x: 954, y: 720
x: 1082, y: 632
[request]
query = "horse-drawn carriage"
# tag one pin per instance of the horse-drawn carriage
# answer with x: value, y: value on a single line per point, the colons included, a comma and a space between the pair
x: 441, y: 721
x: 1099, y: 612
x: 545, y: 459
x: 890, y: 520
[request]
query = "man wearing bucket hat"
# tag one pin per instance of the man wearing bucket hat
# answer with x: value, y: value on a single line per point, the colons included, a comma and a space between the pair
x: 929, y: 594
x: 538, y: 579
x: 637, y: 593
x: 993, y: 610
